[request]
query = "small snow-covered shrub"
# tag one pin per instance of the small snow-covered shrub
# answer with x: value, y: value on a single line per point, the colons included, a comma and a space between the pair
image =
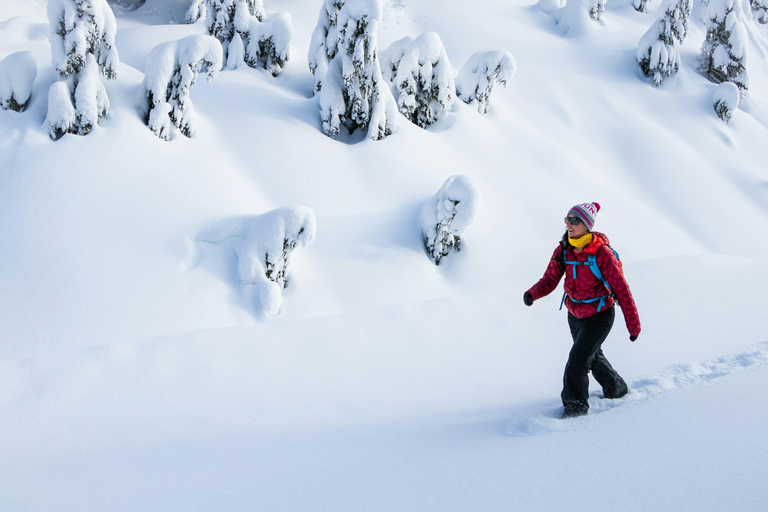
x: 577, y: 16
x: 760, y: 10
x: 263, y: 245
x: 447, y: 214
x: 725, y: 100
x: 657, y: 53
x: 724, y: 52
x: 172, y: 69
x: 265, y: 41
x: 17, y: 74
x: 82, y: 49
x: 354, y: 93
x: 422, y: 76
x: 129, y: 4
x: 478, y: 75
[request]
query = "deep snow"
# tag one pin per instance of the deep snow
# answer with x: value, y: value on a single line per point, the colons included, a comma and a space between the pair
x: 138, y: 373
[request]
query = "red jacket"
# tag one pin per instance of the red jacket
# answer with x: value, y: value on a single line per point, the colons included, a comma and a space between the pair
x: 586, y: 285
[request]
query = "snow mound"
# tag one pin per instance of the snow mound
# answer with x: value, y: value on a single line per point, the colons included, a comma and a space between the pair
x: 17, y: 74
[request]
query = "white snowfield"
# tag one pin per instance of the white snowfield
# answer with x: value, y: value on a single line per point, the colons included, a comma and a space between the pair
x: 140, y: 372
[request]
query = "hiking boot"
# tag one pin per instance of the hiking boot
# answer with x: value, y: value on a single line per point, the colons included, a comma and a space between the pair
x: 620, y: 390
x: 573, y: 412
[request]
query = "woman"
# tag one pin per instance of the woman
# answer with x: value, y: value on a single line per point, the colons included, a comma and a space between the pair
x: 594, y: 281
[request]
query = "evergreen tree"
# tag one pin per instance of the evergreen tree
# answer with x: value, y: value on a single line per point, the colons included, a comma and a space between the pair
x: 83, y: 48
x: 724, y: 52
x: 657, y: 53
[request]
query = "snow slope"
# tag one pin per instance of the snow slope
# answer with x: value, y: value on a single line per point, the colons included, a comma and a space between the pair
x: 136, y: 373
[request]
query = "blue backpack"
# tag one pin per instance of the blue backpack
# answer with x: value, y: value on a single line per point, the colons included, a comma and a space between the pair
x: 592, y: 264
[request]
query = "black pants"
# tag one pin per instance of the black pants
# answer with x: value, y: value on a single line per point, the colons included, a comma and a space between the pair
x: 586, y: 355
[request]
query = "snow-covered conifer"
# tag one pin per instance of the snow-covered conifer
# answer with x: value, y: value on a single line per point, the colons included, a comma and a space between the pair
x: 724, y: 52
x: 61, y: 111
x: 263, y: 245
x: 657, y: 52
x: 447, y: 214
x: 760, y: 10
x: 725, y: 100
x: 354, y: 93
x: 422, y: 76
x: 171, y: 71
x: 83, y: 47
x: 325, y: 40
x: 196, y: 11
x: 639, y: 5
x: 578, y: 15
x: 17, y: 74
x: 265, y: 41
x: 478, y: 75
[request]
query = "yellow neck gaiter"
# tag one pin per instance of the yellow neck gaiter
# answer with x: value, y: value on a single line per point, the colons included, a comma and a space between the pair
x: 581, y: 242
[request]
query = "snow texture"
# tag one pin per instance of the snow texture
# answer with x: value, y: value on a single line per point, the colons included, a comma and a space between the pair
x: 760, y: 10
x: 82, y: 49
x: 657, y: 53
x: 422, y: 77
x: 479, y: 74
x: 353, y: 92
x: 549, y: 6
x: 447, y: 214
x: 17, y: 74
x: 171, y: 71
x: 263, y: 245
x: 724, y: 52
x: 576, y: 17
x: 129, y: 4
x: 725, y: 100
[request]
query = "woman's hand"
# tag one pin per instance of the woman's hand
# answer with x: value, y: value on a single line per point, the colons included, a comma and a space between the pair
x: 527, y: 299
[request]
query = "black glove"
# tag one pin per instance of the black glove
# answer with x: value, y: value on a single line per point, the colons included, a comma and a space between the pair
x: 632, y: 338
x: 527, y: 299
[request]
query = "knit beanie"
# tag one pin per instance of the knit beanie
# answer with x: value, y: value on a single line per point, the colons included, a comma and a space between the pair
x: 586, y: 212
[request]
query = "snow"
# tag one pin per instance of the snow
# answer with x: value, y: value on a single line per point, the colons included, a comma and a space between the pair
x: 137, y: 373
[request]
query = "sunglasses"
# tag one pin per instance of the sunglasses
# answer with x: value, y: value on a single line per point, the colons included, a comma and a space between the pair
x: 575, y: 221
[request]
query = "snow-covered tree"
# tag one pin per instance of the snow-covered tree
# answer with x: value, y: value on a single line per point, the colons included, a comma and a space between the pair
x: 725, y: 100
x: 171, y: 71
x: 265, y: 40
x: 196, y: 11
x: 17, y: 74
x: 657, y: 53
x: 640, y: 5
x: 129, y: 4
x: 354, y: 93
x: 724, y: 52
x: 422, y: 76
x: 263, y: 245
x: 325, y: 40
x: 479, y: 74
x: 447, y: 214
x: 760, y: 10
x: 576, y: 16
x: 82, y: 47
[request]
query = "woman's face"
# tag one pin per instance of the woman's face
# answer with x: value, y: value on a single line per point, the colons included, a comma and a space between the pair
x: 575, y: 230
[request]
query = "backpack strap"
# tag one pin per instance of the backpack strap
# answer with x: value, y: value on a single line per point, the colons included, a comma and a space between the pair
x: 592, y: 264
